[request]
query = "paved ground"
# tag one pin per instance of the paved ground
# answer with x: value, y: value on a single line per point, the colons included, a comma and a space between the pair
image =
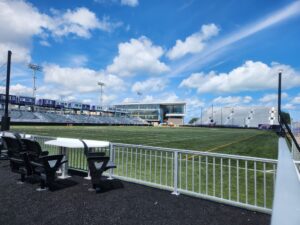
x: 121, y: 203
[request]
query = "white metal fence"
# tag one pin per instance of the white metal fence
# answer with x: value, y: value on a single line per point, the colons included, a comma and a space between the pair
x: 242, y: 181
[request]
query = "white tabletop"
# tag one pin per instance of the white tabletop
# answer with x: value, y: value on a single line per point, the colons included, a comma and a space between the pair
x: 76, y: 143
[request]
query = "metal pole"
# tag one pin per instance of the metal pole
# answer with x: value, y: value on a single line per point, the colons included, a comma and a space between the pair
x: 101, y: 84
x: 221, y: 117
x: 279, y: 96
x: 101, y: 100
x: 201, y: 115
x: 5, y: 123
x: 111, y: 156
x: 34, y: 68
x: 175, y: 174
x: 34, y: 88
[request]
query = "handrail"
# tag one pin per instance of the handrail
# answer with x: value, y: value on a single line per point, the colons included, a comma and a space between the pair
x: 283, y: 125
x: 187, y: 151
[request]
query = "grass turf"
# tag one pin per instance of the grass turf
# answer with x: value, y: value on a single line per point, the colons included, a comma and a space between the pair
x: 247, y: 142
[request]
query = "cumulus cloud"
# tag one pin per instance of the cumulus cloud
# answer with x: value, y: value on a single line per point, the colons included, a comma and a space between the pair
x: 150, y: 85
x: 82, y: 80
x: 20, y: 21
x: 131, y: 3
x: 232, y: 100
x: 272, y: 97
x: 251, y: 76
x: 288, y: 106
x: 194, y: 43
x: 162, y: 97
x: 17, y: 89
x: 78, y: 60
x: 80, y: 22
x: 138, y: 56
x: 296, y: 100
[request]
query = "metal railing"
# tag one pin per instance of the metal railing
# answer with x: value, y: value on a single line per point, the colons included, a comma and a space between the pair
x: 241, y: 181
x: 290, y: 137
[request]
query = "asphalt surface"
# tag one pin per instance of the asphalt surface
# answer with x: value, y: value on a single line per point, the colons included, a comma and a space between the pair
x: 119, y: 203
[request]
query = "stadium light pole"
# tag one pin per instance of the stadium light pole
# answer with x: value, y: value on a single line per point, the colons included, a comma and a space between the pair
x: 201, y: 116
x: 221, y: 116
x: 279, y: 95
x: 101, y: 84
x: 212, y: 112
x: 5, y: 122
x: 34, y: 68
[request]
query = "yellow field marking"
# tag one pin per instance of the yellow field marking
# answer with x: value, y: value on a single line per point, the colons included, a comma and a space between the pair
x: 228, y: 144
x: 231, y: 143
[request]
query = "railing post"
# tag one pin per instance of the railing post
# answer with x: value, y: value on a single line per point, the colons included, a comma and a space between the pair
x: 175, y: 174
x: 111, y: 155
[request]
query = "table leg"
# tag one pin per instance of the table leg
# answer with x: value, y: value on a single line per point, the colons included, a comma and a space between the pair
x: 65, y: 166
x: 88, y: 177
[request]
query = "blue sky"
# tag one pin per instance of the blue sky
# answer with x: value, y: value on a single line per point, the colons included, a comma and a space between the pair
x: 226, y: 53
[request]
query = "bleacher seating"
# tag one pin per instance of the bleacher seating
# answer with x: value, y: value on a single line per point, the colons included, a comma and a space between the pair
x: 56, y: 117
x: 239, y: 116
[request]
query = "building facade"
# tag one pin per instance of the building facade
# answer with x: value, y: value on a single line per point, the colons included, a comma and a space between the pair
x: 156, y: 113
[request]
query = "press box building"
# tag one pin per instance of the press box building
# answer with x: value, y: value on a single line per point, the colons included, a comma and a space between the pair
x: 157, y: 113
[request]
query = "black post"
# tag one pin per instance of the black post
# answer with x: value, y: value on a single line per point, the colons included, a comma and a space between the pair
x: 279, y: 97
x: 5, y: 122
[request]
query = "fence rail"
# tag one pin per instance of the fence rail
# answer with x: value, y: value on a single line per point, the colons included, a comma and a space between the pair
x: 242, y: 181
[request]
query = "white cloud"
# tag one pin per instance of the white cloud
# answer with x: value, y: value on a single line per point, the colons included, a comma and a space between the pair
x: 150, y: 85
x: 128, y: 100
x: 251, y: 76
x: 20, y: 21
x: 17, y: 89
x: 45, y: 43
x: 80, y: 22
x: 78, y: 60
x: 131, y: 3
x: 138, y: 56
x: 272, y: 97
x: 214, y: 50
x: 81, y: 80
x: 233, y: 100
x: 194, y: 43
x: 288, y: 106
x: 296, y: 100
x: 162, y: 97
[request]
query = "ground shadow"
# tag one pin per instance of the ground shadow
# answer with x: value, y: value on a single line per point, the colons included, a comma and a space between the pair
x: 109, y: 185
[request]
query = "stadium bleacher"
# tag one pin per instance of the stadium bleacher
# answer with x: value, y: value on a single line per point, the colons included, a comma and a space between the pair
x: 239, y: 116
x: 53, y: 117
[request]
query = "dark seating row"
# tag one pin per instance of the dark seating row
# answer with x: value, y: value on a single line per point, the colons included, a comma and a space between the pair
x: 28, y: 159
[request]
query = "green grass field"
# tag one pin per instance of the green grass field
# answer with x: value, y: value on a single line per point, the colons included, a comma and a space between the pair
x: 247, y: 142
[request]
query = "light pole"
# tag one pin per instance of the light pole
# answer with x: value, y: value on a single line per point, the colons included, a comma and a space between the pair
x: 5, y: 122
x: 34, y: 68
x: 279, y: 95
x: 201, y: 115
x: 101, y: 84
